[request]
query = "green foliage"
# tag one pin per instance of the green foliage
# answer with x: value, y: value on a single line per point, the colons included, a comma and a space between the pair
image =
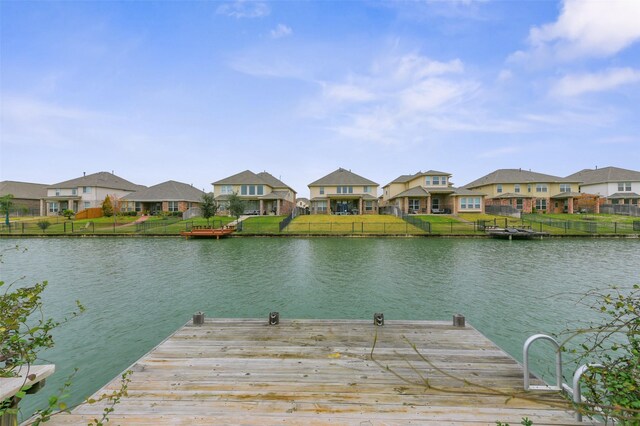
x: 44, y: 224
x: 6, y: 204
x: 107, y: 207
x: 612, y: 390
x: 208, y: 206
x: 236, y: 205
x: 68, y: 213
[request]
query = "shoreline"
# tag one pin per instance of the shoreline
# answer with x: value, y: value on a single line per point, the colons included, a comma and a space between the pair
x: 317, y: 235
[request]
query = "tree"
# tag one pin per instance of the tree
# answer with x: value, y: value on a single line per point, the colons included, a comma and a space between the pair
x: 613, y: 386
x: 107, y: 206
x: 208, y: 206
x: 236, y: 205
x: 68, y: 213
x: 6, y: 204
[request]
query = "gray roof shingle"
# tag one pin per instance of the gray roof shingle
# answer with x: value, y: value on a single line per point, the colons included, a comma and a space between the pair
x: 249, y: 178
x: 342, y: 177
x: 23, y: 190
x: 167, y: 191
x: 605, y: 175
x: 516, y: 176
x: 100, y: 179
x: 407, y: 178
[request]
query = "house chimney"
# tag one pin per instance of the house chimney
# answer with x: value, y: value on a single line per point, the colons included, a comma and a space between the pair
x: 84, y: 173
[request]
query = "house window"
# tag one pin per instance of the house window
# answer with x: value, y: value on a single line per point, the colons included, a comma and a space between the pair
x: 226, y: 189
x: 173, y: 206
x: 252, y: 190
x: 463, y: 203
x: 368, y: 205
x: 366, y: 189
x: 565, y: 187
x: 322, y: 190
x: 436, y: 180
x: 138, y: 206
x: 529, y: 188
x: 444, y: 180
x: 345, y: 190
x: 57, y: 192
x: 541, y: 187
x: 476, y: 203
x: 74, y: 191
x: 435, y: 204
x: 624, y: 186
x: 499, y: 188
x: 519, y: 203
x: 321, y: 206
x: 53, y: 207
x: 414, y: 204
x: 243, y: 190
x: 260, y: 189
x: 87, y: 205
x: 86, y: 190
x: 427, y: 180
x: 516, y: 188
x: 541, y: 204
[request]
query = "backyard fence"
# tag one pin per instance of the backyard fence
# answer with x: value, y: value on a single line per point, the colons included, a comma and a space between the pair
x: 418, y: 223
x: 502, y: 210
x: 584, y: 225
x: 622, y: 209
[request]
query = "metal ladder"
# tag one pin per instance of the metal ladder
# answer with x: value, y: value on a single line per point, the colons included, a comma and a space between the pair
x: 574, y: 391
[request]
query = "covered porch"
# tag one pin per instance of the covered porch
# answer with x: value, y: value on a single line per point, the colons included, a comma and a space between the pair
x: 56, y: 205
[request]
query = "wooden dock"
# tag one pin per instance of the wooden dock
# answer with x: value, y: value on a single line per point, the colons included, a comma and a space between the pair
x: 316, y: 372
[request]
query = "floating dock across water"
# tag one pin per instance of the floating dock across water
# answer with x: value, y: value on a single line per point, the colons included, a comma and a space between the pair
x: 317, y: 372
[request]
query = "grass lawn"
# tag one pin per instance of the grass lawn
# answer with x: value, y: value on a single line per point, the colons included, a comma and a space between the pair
x: 262, y: 225
x: 350, y: 224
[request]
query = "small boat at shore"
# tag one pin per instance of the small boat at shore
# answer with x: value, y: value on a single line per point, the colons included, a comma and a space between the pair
x: 206, y: 232
x: 515, y: 233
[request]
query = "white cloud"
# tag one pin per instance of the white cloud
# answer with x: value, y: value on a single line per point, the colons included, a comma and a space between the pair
x: 585, y: 28
x: 347, y: 93
x: 281, y: 31
x: 244, y: 9
x: 505, y: 75
x: 395, y: 100
x: 574, y: 85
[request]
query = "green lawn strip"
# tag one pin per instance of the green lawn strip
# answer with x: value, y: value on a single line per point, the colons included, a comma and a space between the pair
x: 262, y: 225
x: 350, y: 224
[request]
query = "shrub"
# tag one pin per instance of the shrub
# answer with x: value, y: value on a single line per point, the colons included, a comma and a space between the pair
x: 44, y: 224
x: 107, y: 207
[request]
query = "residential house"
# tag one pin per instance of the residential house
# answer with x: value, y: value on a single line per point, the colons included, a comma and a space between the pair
x: 343, y: 192
x: 168, y: 197
x: 613, y: 184
x: 26, y: 196
x: 303, y: 203
x: 527, y: 191
x: 261, y: 192
x: 88, y: 191
x: 431, y: 192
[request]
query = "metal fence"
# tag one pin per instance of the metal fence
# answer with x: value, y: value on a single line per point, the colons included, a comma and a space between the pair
x: 622, y: 209
x: 418, y: 223
x: 285, y: 222
x: 591, y: 227
x: 352, y: 228
x: 502, y: 210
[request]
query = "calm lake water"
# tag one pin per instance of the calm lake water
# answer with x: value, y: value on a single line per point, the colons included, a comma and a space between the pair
x: 138, y: 291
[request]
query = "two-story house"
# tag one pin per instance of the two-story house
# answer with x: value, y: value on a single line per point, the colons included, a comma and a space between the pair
x: 85, y: 192
x: 431, y: 192
x: 261, y: 192
x: 343, y: 192
x: 527, y: 191
x: 613, y: 184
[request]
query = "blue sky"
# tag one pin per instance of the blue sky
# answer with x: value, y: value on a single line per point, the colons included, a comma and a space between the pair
x: 197, y: 91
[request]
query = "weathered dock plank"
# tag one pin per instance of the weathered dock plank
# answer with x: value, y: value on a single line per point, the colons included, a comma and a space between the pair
x: 234, y: 371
